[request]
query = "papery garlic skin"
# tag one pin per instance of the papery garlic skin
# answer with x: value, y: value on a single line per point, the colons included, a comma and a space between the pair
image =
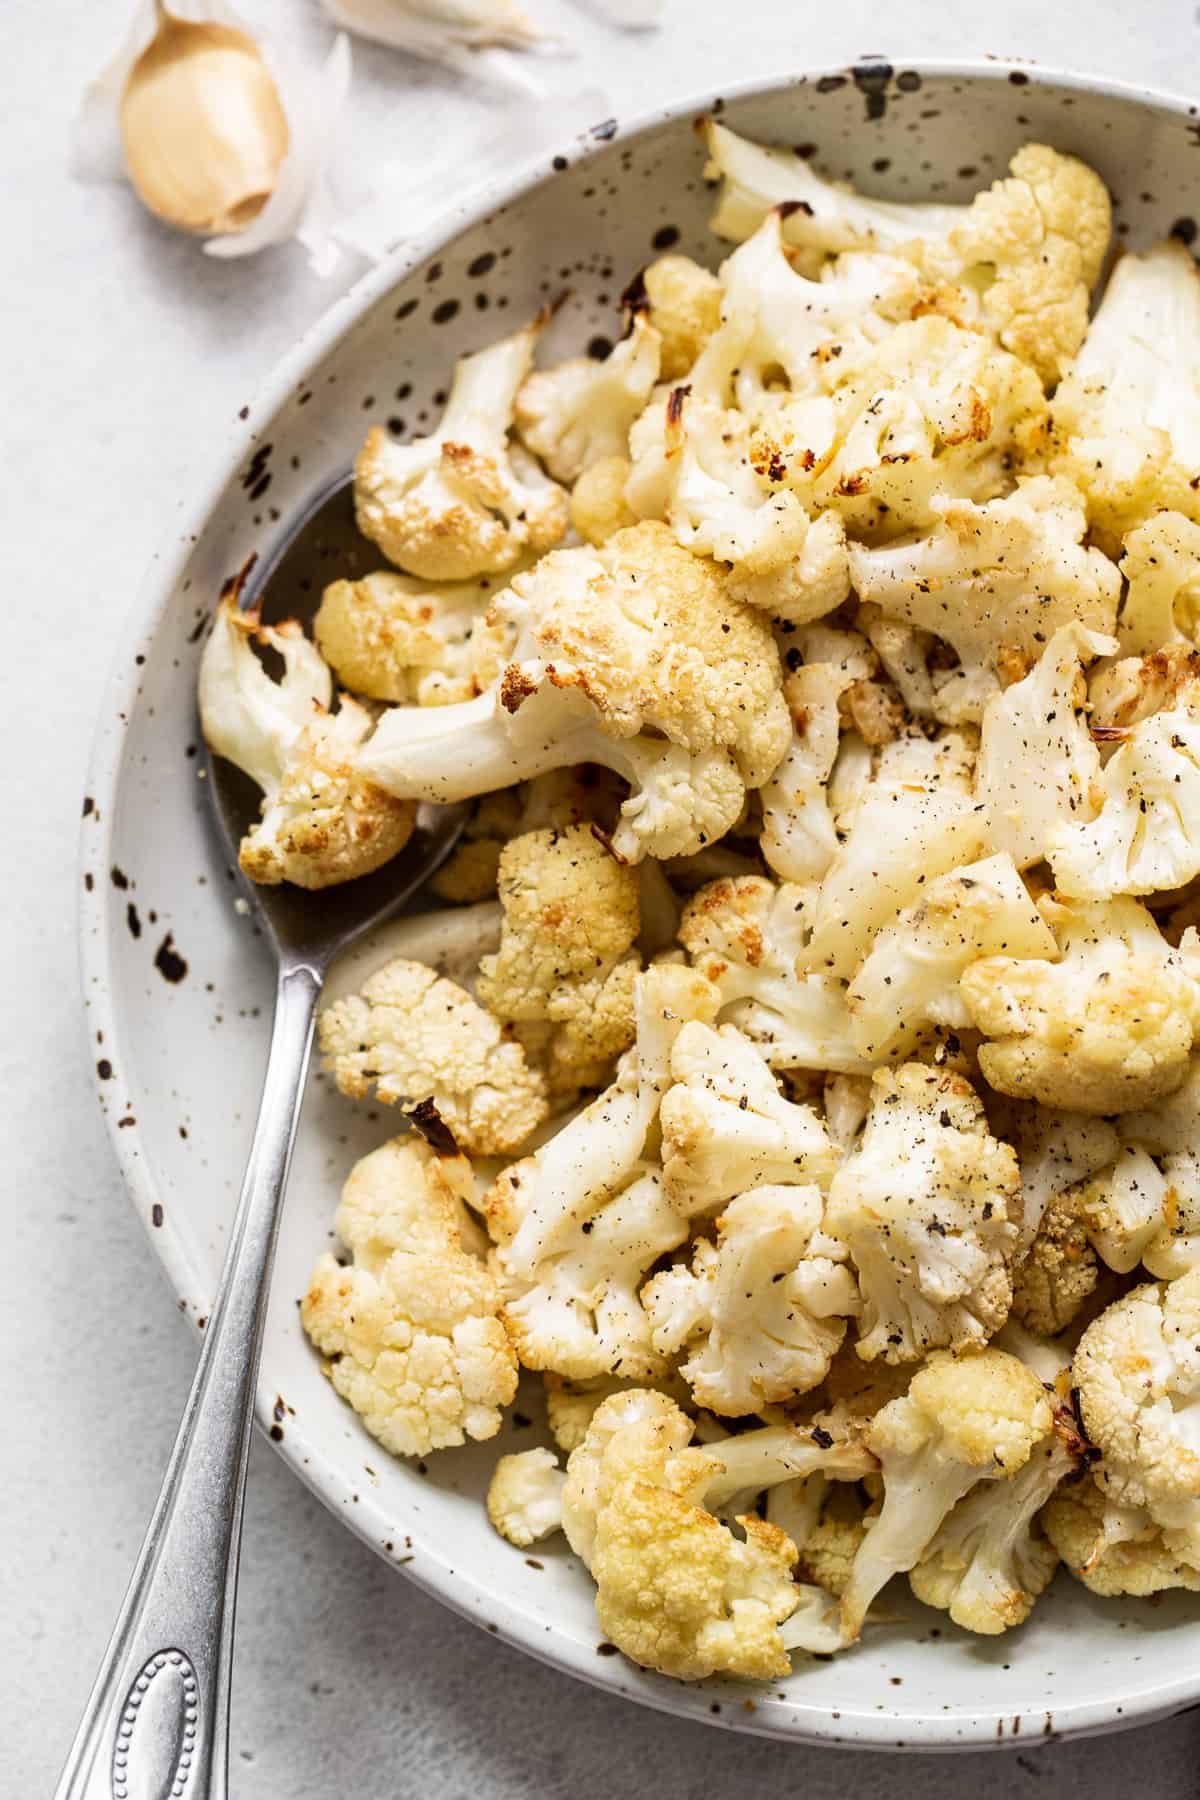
x: 203, y: 127
x: 295, y: 203
x: 472, y: 37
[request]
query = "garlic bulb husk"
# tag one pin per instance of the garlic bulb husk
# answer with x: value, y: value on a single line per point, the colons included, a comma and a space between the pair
x: 627, y: 15
x: 220, y: 133
x: 475, y: 38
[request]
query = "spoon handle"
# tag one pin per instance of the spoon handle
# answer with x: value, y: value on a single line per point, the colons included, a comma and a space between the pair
x: 157, y: 1722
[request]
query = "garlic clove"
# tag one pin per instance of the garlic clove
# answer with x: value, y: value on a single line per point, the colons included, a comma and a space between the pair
x: 475, y: 38
x: 203, y: 127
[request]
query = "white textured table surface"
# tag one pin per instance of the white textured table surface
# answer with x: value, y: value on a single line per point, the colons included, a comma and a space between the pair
x: 123, y: 352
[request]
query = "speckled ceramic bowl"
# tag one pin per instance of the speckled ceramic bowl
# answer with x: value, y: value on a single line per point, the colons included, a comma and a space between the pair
x: 178, y: 988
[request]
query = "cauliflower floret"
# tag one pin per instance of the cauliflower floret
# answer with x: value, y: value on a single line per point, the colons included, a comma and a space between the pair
x: 1171, y: 1135
x: 828, y: 1551
x: 565, y: 968
x: 1058, y: 1273
x: 1123, y: 692
x: 760, y: 1314
x: 1162, y: 566
x: 1111, y: 1549
x: 683, y: 303
x: 798, y: 840
x: 910, y: 978
x: 676, y: 1590
x: 410, y: 1327
x: 394, y: 638
x: 1107, y: 1027
x: 323, y: 822
x: 819, y: 216
x: 422, y: 1040
x: 574, y: 415
x: 524, y: 1497
x: 990, y: 1561
x: 613, y: 644
x: 1123, y: 1209
x: 995, y: 581
x: 1137, y: 1372
x: 572, y: 1405
x: 1147, y: 835
x: 1055, y: 1150
x: 964, y: 1419
x: 577, y: 1312
x: 539, y: 1208
x: 1127, y: 415
x: 925, y: 1205
x: 812, y: 582
x: 930, y: 417
x: 745, y: 934
x: 599, y: 508
x: 463, y: 502
x: 915, y: 819
x: 1038, y: 767
x: 727, y: 1128
x: 1030, y: 246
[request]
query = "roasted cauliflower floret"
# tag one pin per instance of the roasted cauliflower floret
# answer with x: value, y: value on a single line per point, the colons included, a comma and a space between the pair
x: 1162, y: 603
x: 524, y: 1497
x: 1029, y: 247
x: 422, y: 1040
x: 614, y: 644
x: 830, y: 1547
x: 964, y: 1420
x: 463, y: 502
x: 759, y: 1313
x: 322, y: 821
x: 676, y: 1590
x: 1170, y: 1133
x: 1137, y: 1372
x: 1058, y: 1273
x: 798, y: 839
x: 410, y: 1326
x: 1108, y: 1026
x: 392, y: 637
x: 990, y: 1560
x: 745, y: 935
x: 1113, y: 1549
x: 580, y: 412
x: 1038, y: 767
x: 726, y: 1127
x: 565, y: 969
x: 915, y: 818
x: 909, y: 981
x: 1127, y: 414
x: 599, y: 508
x: 683, y: 303
x: 994, y: 581
x: 1146, y: 836
x: 925, y: 1205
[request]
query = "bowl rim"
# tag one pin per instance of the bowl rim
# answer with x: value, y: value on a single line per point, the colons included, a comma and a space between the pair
x: 792, y: 1720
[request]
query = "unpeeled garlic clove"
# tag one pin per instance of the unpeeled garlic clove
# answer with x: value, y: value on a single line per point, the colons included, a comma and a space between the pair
x: 203, y: 126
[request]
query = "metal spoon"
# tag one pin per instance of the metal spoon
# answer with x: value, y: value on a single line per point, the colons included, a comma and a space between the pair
x: 156, y: 1725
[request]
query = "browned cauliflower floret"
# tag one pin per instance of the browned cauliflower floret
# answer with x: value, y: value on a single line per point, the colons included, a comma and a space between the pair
x: 1113, y: 1550
x: 392, y: 637
x: 1107, y: 1028
x: 410, y: 1326
x: 322, y: 821
x: 1059, y: 1270
x: 565, y: 969
x: 463, y: 502
x: 599, y: 508
x: 683, y: 302
x: 635, y: 656
x: 422, y: 1040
